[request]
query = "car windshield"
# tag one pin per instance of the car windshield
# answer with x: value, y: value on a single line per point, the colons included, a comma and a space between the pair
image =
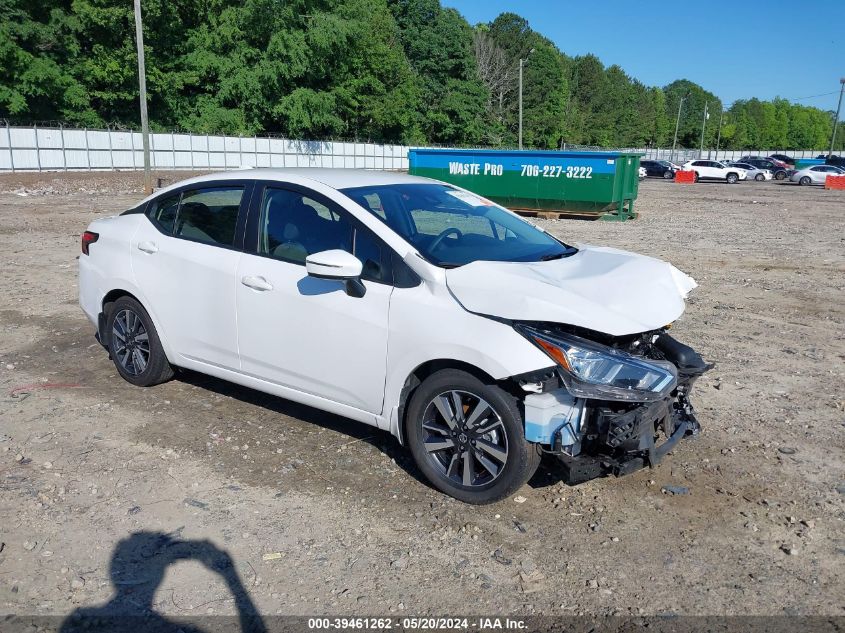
x: 451, y: 227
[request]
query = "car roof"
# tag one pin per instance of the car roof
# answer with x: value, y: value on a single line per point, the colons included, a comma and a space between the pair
x: 336, y: 178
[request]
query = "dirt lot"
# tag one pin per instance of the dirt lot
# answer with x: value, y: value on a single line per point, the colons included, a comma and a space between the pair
x: 321, y: 515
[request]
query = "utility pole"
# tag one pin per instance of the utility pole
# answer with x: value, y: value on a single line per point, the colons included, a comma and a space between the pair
x: 836, y: 118
x: 677, y: 123
x: 142, y: 85
x: 719, y: 135
x: 703, y: 123
x: 521, y: 63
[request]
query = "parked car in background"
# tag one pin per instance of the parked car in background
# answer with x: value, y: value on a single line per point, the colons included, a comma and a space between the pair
x: 786, y: 160
x: 779, y: 170
x: 836, y: 161
x: 816, y: 174
x: 754, y: 173
x: 659, y: 169
x: 714, y: 170
x: 478, y: 340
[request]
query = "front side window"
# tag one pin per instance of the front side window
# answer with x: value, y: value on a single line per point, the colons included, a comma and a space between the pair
x: 209, y: 215
x: 294, y: 226
x: 451, y: 227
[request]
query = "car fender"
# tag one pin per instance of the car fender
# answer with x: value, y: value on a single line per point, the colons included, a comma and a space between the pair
x: 452, y: 334
x: 109, y: 268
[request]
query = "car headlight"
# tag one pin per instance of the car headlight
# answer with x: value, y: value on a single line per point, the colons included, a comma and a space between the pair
x: 591, y: 370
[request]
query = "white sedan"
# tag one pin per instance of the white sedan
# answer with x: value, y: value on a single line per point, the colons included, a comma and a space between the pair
x: 477, y: 339
x: 816, y: 175
x: 752, y: 172
x: 715, y: 170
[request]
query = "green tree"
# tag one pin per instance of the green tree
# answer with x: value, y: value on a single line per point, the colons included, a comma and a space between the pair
x: 438, y: 46
x: 692, y: 114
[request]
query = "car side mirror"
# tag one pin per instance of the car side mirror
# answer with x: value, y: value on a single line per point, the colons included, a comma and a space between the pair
x: 340, y: 265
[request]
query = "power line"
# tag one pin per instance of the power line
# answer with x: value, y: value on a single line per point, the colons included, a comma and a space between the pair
x: 824, y: 94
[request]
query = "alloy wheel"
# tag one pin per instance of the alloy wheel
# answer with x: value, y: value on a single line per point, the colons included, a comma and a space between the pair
x: 464, y: 438
x: 131, y: 342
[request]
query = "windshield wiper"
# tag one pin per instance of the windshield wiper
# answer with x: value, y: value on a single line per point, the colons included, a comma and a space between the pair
x: 449, y: 264
x: 546, y: 258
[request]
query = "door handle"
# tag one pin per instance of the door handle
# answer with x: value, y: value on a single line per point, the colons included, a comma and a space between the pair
x: 257, y: 283
x: 148, y: 247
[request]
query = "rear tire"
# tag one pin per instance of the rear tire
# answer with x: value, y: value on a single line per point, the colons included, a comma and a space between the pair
x: 668, y: 175
x: 805, y: 180
x: 478, y: 454
x: 134, y: 345
x: 780, y: 175
x: 697, y: 177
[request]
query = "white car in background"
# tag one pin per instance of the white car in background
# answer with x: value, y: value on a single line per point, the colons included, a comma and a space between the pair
x: 715, y: 170
x: 816, y: 175
x: 642, y: 173
x: 477, y: 339
x: 752, y: 172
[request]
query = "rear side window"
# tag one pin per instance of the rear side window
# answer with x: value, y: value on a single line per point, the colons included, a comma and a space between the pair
x: 209, y: 215
x: 163, y: 212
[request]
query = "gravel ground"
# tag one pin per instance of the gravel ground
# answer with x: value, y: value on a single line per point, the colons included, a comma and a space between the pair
x: 322, y: 515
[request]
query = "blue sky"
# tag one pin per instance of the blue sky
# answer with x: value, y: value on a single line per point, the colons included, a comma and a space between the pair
x: 737, y: 50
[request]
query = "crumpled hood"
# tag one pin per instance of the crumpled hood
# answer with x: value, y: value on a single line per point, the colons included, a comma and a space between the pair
x: 598, y: 288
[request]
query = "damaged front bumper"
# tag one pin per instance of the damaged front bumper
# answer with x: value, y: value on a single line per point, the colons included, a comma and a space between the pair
x: 595, y: 437
x: 618, y: 442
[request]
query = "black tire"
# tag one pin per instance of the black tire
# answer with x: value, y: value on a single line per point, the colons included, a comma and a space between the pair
x: 139, y: 329
x: 805, y: 180
x: 732, y: 178
x: 759, y: 177
x: 780, y: 175
x: 697, y: 177
x: 668, y: 175
x: 521, y: 457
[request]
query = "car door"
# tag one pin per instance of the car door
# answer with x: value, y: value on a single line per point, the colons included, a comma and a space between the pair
x: 705, y: 169
x: 819, y: 174
x: 305, y: 333
x: 184, y: 259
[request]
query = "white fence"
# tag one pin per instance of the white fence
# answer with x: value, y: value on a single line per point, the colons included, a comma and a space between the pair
x: 66, y: 149
x: 71, y: 149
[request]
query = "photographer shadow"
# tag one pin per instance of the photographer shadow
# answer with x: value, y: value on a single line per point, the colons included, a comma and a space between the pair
x: 137, y: 568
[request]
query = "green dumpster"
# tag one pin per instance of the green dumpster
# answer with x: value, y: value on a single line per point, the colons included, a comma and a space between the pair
x: 603, y: 184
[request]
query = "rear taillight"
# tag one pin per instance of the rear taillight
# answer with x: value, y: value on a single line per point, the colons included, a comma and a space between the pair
x: 88, y: 238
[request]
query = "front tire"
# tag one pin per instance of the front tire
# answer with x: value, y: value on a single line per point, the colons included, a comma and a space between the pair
x: 134, y: 345
x: 732, y: 178
x: 467, y: 437
x: 759, y: 177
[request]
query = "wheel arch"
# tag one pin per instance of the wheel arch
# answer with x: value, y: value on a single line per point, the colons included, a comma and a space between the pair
x: 109, y: 299
x: 428, y: 368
